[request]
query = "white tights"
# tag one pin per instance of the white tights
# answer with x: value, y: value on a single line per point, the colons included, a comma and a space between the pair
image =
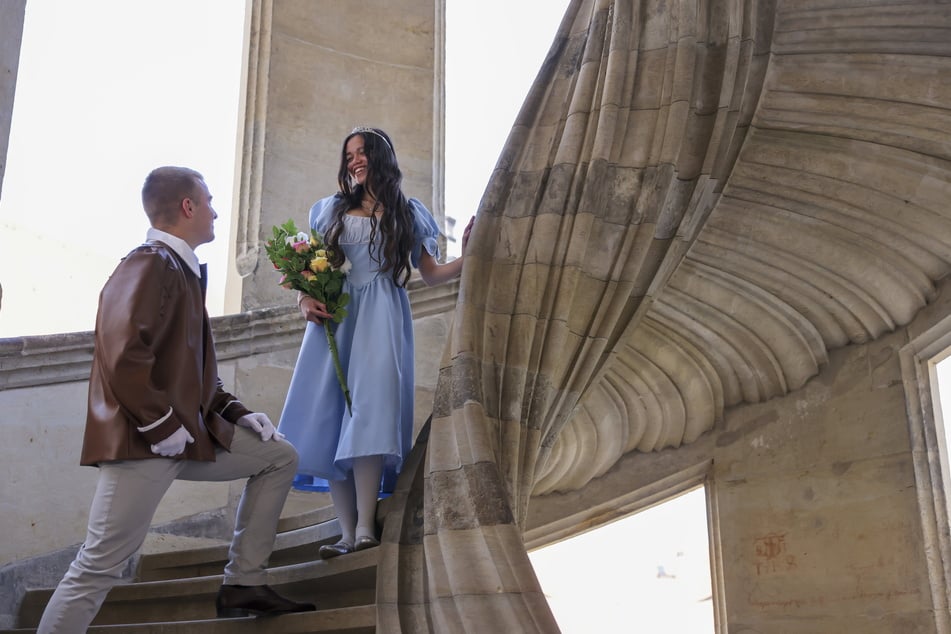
x: 355, y: 498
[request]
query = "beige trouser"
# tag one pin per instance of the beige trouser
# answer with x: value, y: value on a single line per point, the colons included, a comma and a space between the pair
x: 126, y: 497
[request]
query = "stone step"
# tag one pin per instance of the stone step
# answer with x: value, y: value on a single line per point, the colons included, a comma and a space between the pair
x: 177, y: 578
x: 292, y: 546
x: 301, y: 511
x: 298, y: 538
x: 350, y: 620
x: 348, y: 581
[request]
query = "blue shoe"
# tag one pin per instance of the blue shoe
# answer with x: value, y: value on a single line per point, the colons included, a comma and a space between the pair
x: 365, y: 542
x: 329, y: 551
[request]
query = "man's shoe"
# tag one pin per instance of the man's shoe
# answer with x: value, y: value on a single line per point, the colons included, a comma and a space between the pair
x: 236, y: 601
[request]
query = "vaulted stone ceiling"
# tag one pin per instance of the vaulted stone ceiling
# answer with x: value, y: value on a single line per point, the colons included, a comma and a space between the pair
x: 698, y: 201
x: 735, y: 194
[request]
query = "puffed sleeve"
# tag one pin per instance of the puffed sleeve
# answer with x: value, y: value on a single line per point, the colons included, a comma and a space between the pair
x: 425, y: 232
x: 321, y: 214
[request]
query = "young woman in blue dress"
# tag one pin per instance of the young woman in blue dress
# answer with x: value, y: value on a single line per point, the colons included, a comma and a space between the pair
x: 357, y: 453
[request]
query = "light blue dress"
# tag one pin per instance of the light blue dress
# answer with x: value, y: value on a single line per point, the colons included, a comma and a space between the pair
x: 375, y: 342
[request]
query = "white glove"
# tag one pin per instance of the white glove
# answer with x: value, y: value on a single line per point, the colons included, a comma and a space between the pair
x: 260, y: 423
x: 174, y: 444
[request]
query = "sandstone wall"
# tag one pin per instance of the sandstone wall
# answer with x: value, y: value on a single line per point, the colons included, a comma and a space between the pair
x: 316, y: 69
x: 11, y: 32
x: 826, y: 507
x: 817, y: 504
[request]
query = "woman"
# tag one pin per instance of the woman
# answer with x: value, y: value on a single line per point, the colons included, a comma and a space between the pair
x: 358, y: 453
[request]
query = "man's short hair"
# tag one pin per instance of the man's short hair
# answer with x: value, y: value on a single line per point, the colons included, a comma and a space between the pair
x: 164, y: 189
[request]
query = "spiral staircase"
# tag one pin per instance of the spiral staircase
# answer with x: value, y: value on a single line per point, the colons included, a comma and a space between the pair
x: 715, y: 248
x: 176, y: 578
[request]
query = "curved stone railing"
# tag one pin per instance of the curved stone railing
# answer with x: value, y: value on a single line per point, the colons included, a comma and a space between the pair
x: 43, y: 407
x: 32, y: 361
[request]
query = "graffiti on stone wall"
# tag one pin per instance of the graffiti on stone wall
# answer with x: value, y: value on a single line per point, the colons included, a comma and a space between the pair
x: 771, y: 554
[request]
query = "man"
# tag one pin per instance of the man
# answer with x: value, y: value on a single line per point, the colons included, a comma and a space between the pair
x: 158, y: 411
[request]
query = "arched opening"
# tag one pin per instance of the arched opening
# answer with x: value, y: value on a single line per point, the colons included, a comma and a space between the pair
x: 942, y: 409
x: 646, y: 572
x: 925, y: 365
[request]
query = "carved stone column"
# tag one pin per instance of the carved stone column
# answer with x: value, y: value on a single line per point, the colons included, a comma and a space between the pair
x: 616, y: 159
x: 316, y: 69
x: 11, y: 33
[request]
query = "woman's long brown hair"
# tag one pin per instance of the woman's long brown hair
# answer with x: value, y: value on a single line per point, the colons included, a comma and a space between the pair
x: 391, y: 236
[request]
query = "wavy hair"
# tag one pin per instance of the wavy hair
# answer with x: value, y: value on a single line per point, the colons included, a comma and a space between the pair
x: 391, y: 236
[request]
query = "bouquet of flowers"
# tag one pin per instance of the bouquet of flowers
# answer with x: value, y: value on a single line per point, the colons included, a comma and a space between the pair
x: 304, y: 263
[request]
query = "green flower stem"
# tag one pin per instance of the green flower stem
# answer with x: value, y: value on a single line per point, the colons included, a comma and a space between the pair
x: 332, y: 342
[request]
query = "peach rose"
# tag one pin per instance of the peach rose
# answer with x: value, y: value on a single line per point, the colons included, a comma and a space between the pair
x: 319, y: 264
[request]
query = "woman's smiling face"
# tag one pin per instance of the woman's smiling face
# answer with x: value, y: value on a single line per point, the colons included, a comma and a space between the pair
x: 357, y: 163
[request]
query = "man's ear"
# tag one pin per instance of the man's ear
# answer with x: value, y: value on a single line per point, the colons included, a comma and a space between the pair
x: 188, y: 207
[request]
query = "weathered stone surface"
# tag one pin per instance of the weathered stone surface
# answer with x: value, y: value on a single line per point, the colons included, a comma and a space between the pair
x: 11, y: 33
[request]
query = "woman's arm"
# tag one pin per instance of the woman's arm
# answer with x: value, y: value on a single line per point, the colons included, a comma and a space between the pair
x: 433, y: 272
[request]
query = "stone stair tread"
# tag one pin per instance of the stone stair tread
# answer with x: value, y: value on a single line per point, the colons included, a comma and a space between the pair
x: 308, y: 517
x: 352, y: 620
x: 333, y: 583
x: 179, y: 576
x: 159, y: 543
x: 309, y: 570
x: 298, y: 535
x: 290, y: 547
x: 297, y: 515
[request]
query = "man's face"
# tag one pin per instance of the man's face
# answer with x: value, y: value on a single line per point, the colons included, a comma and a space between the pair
x: 203, y: 216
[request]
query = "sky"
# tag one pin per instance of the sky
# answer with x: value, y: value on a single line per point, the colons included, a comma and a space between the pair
x: 102, y: 98
x: 648, y: 573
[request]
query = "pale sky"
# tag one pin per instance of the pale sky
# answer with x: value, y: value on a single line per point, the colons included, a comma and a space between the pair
x: 106, y: 92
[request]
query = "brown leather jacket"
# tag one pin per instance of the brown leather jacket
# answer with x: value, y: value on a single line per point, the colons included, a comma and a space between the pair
x: 154, y: 354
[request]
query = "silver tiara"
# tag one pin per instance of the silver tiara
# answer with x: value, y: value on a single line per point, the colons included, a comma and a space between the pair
x: 362, y: 129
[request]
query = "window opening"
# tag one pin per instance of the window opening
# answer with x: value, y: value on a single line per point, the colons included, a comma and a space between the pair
x: 654, y: 564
